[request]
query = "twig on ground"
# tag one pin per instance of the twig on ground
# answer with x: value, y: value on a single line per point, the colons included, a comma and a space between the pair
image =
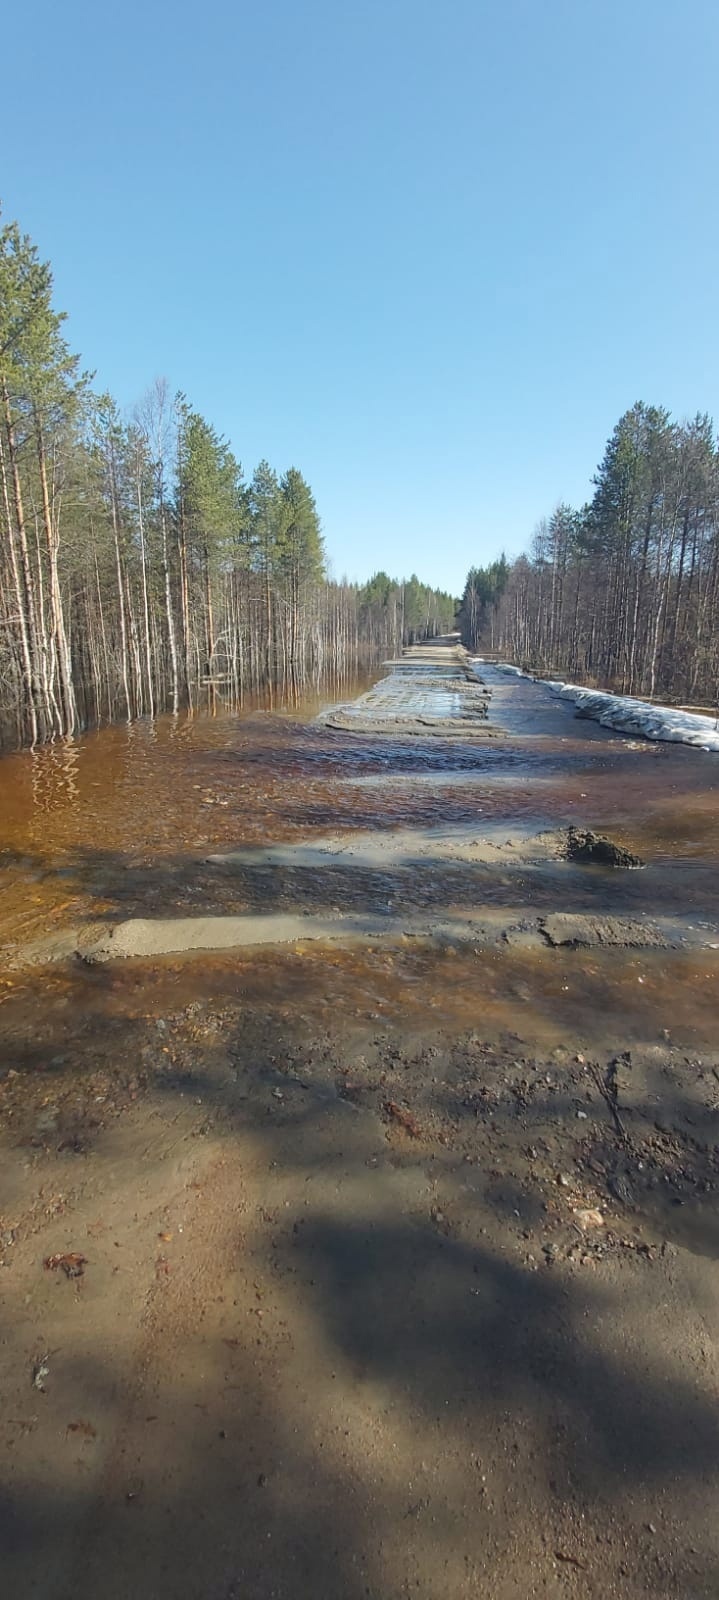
x: 610, y: 1097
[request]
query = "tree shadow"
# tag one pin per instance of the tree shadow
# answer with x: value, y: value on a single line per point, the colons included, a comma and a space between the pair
x: 422, y: 1403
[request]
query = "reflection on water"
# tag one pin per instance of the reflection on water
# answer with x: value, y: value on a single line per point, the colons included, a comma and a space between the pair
x: 72, y: 811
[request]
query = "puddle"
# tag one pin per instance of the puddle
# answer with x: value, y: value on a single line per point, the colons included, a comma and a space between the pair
x: 612, y: 999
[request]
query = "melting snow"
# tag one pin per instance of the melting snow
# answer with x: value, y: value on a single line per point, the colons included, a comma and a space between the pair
x: 630, y: 716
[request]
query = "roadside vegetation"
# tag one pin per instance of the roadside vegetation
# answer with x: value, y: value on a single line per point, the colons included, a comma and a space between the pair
x: 140, y: 570
x: 623, y: 593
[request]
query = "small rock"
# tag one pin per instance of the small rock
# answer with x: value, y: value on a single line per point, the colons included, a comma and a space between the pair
x: 589, y: 1218
x: 564, y: 1180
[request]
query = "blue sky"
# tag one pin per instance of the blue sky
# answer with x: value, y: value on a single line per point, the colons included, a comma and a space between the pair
x: 427, y: 253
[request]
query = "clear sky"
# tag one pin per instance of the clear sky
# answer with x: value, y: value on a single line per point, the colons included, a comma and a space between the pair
x: 428, y: 253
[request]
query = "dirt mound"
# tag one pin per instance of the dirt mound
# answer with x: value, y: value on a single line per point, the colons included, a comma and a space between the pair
x: 584, y: 845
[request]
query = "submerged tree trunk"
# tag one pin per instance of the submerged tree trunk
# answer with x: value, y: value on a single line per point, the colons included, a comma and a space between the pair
x: 60, y: 645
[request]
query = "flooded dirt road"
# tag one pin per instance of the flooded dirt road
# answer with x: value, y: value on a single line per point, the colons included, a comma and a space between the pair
x: 379, y: 1261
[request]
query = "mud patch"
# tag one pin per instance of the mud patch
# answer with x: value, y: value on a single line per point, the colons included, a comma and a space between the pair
x: 405, y: 847
x: 429, y: 693
x: 483, y: 927
x: 563, y: 928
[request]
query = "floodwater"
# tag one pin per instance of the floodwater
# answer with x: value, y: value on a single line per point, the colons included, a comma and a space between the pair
x: 120, y: 822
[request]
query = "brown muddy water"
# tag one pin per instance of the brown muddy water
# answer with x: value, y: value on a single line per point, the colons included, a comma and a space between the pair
x: 119, y: 823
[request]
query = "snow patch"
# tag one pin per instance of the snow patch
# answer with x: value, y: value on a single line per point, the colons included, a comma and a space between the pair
x: 628, y: 715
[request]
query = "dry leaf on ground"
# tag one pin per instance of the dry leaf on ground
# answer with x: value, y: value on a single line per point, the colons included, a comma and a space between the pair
x: 405, y: 1118
x: 70, y: 1261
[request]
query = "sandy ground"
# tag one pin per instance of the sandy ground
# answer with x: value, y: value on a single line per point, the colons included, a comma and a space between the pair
x: 381, y: 1272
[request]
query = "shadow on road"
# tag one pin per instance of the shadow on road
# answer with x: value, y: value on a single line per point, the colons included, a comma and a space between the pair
x: 369, y: 1363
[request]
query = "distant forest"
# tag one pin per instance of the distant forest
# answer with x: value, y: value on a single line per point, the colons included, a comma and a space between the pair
x: 139, y: 570
x: 624, y: 593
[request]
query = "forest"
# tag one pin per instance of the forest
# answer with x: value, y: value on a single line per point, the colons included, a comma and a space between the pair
x: 140, y: 571
x: 622, y: 594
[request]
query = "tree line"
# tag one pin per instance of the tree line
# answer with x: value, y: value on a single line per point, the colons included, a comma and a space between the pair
x: 622, y: 593
x: 139, y: 570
